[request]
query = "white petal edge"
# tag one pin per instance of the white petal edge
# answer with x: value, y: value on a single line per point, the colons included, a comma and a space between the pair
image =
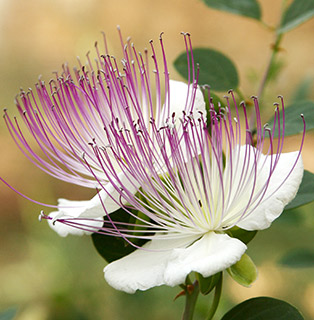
x: 275, y: 199
x: 178, y: 97
x: 179, y: 101
x: 64, y: 230
x: 169, y: 261
x: 90, y: 209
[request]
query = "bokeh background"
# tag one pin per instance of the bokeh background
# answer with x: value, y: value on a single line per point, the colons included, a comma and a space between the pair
x: 53, y: 278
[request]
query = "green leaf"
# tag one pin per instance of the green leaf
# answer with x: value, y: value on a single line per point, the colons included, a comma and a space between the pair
x: 303, y: 90
x: 305, y: 193
x: 113, y: 248
x: 293, y: 121
x: 298, y: 258
x: 275, y: 69
x: 247, y: 8
x: 244, y: 271
x: 8, y: 314
x: 241, y: 234
x: 298, y: 12
x: 208, y: 284
x: 292, y: 217
x: 216, y: 69
x: 263, y: 308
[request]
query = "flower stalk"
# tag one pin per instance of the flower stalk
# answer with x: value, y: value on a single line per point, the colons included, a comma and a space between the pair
x: 216, y: 300
x: 275, y: 49
x: 191, y: 294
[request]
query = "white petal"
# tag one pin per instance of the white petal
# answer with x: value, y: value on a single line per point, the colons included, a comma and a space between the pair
x: 143, y: 268
x: 90, y: 209
x: 180, y: 101
x: 63, y: 230
x: 178, y: 97
x: 146, y: 268
x: 275, y: 199
x: 210, y: 254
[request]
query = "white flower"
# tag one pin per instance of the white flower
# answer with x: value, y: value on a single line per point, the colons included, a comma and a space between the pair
x: 199, y: 197
x: 75, y: 111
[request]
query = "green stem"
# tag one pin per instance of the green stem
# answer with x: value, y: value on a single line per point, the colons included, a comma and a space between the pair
x: 216, y: 300
x: 270, y: 64
x: 275, y: 50
x: 240, y: 94
x: 191, y: 295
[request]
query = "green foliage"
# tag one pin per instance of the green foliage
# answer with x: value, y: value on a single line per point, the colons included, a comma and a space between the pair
x: 216, y: 69
x: 291, y: 217
x: 263, y: 308
x: 112, y: 248
x: 305, y: 193
x: 303, y: 91
x: 8, y: 314
x: 298, y: 12
x: 241, y: 234
x: 293, y: 121
x: 247, y: 8
x: 244, y: 271
x: 298, y: 258
x: 275, y: 69
x: 208, y: 284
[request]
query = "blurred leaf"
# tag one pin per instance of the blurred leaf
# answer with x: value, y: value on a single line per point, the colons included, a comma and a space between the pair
x: 208, y: 284
x: 303, y: 91
x: 275, y: 69
x: 62, y: 306
x: 112, y: 248
x: 292, y: 217
x: 263, y: 308
x: 305, y: 193
x: 216, y: 69
x: 293, y: 122
x: 298, y: 12
x: 247, y: 8
x: 298, y: 258
x: 241, y: 234
x: 8, y: 314
x: 244, y: 271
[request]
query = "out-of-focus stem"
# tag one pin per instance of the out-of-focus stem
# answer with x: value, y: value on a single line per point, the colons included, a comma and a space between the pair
x: 275, y: 50
x: 191, y: 295
x: 270, y: 64
x: 216, y: 299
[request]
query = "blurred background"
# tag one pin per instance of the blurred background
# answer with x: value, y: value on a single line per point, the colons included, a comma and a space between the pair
x: 49, y: 277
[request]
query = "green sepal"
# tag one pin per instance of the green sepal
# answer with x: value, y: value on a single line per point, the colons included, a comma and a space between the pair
x: 112, y: 248
x: 244, y: 271
x: 208, y: 284
x: 241, y: 234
